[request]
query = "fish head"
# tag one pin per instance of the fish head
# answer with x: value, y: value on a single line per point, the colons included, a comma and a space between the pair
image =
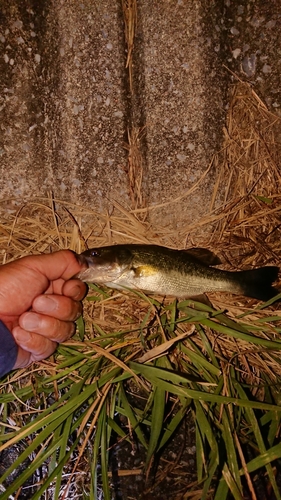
x: 105, y: 264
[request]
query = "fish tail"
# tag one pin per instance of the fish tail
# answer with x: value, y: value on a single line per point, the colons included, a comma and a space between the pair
x: 257, y: 283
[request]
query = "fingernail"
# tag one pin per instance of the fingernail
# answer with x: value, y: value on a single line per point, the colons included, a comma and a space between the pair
x: 77, y: 316
x: 71, y: 333
x: 45, y: 304
x: 30, y: 321
x: 76, y: 292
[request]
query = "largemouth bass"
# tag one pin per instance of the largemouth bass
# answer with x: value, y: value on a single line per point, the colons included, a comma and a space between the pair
x: 164, y: 271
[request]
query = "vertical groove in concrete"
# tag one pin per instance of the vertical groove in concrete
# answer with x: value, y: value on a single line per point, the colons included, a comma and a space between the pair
x: 183, y: 108
x: 136, y: 118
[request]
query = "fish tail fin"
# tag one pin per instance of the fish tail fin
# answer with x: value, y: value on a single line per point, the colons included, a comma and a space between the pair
x: 257, y: 283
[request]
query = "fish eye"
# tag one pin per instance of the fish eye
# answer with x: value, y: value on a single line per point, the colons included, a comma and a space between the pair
x: 95, y: 253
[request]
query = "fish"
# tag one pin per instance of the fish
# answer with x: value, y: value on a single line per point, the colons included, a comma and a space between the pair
x: 159, y: 270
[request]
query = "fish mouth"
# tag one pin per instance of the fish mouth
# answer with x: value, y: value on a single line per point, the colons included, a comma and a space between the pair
x: 82, y: 260
x: 85, y: 264
x: 95, y: 269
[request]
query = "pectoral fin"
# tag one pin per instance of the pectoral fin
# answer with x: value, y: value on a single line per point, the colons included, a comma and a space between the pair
x: 143, y: 271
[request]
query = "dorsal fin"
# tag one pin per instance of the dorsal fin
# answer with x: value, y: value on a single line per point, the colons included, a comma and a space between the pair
x: 204, y: 256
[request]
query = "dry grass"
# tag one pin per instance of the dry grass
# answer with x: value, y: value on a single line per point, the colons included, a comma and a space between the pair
x: 135, y: 170
x: 129, y: 8
x: 248, y: 222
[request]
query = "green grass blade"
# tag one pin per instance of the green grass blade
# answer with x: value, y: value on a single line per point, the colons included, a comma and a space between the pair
x: 207, y: 462
x: 255, y: 426
x: 227, y: 484
x: 95, y: 460
x: 40, y: 459
x: 135, y: 423
x: 57, y: 472
x: 104, y: 454
x: 231, y: 469
x: 274, y: 453
x: 208, y: 348
x: 65, y: 433
x: 174, y: 424
x: 159, y: 377
x: 80, y: 323
x: 202, y: 365
x: 237, y: 333
x: 157, y: 422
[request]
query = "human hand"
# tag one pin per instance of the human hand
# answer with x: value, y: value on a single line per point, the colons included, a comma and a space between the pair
x: 39, y: 302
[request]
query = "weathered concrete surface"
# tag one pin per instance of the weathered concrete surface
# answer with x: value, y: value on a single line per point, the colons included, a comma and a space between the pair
x: 252, y: 43
x: 62, y: 107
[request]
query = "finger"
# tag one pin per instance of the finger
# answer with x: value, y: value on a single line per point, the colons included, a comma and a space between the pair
x: 32, y: 347
x: 23, y: 358
x: 47, y: 326
x: 58, y: 306
x: 75, y: 289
